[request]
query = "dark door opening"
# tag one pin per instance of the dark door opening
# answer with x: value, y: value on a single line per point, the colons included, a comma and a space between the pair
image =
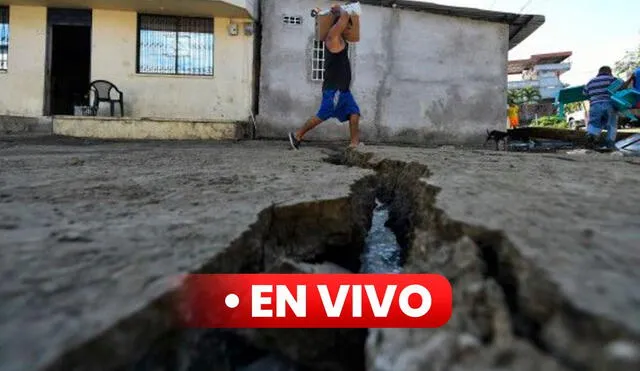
x: 68, y: 60
x: 70, y: 67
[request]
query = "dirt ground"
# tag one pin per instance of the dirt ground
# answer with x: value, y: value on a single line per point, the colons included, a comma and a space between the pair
x: 91, y: 232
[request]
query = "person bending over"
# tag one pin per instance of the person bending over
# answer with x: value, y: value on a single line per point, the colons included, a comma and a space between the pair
x: 337, y: 81
x: 602, y: 114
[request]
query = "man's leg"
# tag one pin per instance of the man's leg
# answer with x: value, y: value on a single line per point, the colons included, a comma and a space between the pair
x: 326, y: 111
x: 354, y: 122
x: 296, y: 138
x: 594, y: 128
x: 308, y: 126
x: 612, y: 127
x: 347, y: 109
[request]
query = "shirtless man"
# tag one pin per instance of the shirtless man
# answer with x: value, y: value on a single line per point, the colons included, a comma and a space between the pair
x: 337, y: 81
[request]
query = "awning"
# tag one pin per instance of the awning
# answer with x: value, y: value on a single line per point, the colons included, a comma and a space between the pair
x: 202, y: 8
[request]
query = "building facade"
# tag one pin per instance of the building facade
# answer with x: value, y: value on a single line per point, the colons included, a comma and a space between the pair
x: 187, y: 59
x: 423, y: 73
x: 542, y: 71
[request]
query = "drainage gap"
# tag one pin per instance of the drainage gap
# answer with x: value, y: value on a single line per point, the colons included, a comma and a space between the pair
x: 501, y: 298
x: 382, y: 253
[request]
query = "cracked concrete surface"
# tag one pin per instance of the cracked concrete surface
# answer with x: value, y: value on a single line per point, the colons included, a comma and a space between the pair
x: 91, y: 234
x: 558, y: 234
x: 570, y: 215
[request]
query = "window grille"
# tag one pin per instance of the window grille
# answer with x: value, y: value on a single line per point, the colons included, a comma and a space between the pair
x: 317, y: 61
x: 4, y: 38
x: 175, y: 45
x: 318, y: 57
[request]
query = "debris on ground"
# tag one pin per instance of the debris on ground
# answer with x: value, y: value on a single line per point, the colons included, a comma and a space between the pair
x: 630, y: 146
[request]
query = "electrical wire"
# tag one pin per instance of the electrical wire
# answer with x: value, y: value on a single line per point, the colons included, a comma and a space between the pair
x: 525, y: 6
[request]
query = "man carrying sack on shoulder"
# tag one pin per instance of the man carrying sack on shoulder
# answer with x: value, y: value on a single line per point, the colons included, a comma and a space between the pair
x: 336, y: 28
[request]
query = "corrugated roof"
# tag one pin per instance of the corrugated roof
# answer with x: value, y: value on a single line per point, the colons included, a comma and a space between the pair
x: 521, y: 26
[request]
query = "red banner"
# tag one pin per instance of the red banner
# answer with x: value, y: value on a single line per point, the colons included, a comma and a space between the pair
x: 316, y: 301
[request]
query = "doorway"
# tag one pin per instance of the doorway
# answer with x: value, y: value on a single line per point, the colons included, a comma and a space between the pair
x: 68, y: 60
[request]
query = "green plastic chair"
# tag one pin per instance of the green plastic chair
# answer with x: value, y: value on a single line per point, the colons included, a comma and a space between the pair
x: 569, y: 95
x: 624, y: 100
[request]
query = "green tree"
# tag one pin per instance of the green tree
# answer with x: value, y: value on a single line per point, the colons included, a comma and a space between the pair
x: 514, y: 97
x: 518, y: 97
x: 531, y: 95
x: 628, y: 63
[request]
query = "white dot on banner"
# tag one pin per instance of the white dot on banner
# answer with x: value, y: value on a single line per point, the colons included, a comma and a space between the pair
x: 232, y: 301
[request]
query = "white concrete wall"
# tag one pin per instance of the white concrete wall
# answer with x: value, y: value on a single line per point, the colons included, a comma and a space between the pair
x: 418, y: 77
x: 550, y: 84
x: 226, y: 95
x: 22, y: 85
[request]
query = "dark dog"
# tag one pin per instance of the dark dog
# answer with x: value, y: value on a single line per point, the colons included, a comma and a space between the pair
x: 497, y: 136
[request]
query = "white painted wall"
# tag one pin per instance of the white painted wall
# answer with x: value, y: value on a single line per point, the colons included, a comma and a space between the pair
x: 226, y: 95
x: 418, y: 77
x: 22, y: 85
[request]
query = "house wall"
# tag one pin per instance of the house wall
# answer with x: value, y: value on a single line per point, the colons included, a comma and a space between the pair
x: 550, y: 84
x: 544, y: 77
x: 227, y: 95
x: 418, y: 77
x: 22, y: 85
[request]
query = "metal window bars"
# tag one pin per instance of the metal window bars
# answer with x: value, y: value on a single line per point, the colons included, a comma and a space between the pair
x: 317, y: 59
x: 175, y: 45
x: 4, y: 38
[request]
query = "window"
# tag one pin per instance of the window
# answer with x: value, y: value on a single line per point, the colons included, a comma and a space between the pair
x: 4, y: 38
x: 175, y: 45
x: 317, y: 60
x: 293, y: 20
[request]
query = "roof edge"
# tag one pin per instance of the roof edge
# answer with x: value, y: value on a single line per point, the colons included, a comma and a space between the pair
x: 520, y: 32
x: 521, y: 26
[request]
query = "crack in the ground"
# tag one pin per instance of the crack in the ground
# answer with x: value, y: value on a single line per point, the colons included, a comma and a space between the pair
x: 534, y: 302
x: 333, y: 231
x: 330, y: 232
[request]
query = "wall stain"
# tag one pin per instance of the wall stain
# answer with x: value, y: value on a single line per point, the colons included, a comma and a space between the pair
x: 391, y: 25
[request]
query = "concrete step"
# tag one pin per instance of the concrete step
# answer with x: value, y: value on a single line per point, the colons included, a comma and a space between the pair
x: 129, y: 128
x: 14, y: 125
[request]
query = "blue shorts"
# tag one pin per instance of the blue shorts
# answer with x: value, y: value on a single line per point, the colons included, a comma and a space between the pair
x: 342, y: 110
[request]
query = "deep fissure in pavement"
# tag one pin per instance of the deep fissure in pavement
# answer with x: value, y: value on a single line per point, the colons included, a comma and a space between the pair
x: 414, y: 202
x: 330, y: 236
x: 302, y: 238
x: 323, y: 236
x: 502, y: 273
x: 535, y: 306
